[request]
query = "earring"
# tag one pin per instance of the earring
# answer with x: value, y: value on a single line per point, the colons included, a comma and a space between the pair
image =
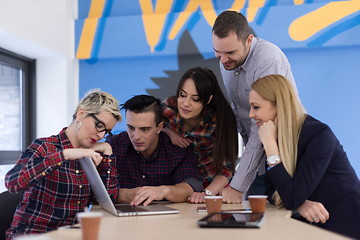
x: 78, y: 125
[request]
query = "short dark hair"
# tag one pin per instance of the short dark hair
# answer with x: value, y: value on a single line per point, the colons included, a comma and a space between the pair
x: 231, y: 21
x: 144, y: 103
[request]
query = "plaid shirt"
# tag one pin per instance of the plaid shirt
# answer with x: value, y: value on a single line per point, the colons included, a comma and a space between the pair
x: 168, y: 165
x: 55, y: 188
x: 202, y: 136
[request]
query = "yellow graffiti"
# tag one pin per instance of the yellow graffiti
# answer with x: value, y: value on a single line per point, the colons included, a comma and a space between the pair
x: 208, y: 11
x: 237, y: 5
x: 254, y: 8
x: 308, y: 25
x: 87, y: 37
x: 206, y: 7
x: 96, y: 8
x: 298, y: 2
x: 154, y: 21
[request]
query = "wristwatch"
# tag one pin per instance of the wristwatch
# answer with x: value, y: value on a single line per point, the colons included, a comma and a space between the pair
x: 273, y: 159
x: 207, y: 192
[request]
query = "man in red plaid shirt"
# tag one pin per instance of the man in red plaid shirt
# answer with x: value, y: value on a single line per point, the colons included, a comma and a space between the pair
x: 150, y: 167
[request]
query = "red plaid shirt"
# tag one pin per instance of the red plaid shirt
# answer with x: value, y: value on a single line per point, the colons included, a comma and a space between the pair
x: 55, y: 188
x: 168, y: 165
x: 202, y: 136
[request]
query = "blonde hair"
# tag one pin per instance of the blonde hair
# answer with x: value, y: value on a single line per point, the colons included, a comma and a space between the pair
x: 96, y: 101
x: 290, y: 117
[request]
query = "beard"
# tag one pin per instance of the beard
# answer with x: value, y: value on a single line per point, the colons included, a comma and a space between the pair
x: 230, y: 65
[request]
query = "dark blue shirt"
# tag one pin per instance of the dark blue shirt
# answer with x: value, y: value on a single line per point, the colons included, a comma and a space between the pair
x: 168, y: 165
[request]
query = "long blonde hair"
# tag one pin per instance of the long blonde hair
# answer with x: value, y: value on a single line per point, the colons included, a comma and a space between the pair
x: 290, y: 117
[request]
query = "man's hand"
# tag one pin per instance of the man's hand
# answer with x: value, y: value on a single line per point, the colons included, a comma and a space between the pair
x: 147, y: 194
x: 313, y: 211
x: 230, y: 195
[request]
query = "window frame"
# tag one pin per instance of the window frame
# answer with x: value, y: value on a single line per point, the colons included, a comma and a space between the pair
x: 28, y: 102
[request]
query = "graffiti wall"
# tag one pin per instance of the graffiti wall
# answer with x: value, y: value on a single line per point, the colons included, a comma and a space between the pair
x: 144, y: 46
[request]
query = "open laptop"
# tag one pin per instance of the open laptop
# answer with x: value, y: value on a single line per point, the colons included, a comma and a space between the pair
x: 104, y: 200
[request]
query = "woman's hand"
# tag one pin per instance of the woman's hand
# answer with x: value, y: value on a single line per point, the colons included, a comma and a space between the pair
x: 177, y: 139
x: 313, y: 211
x: 268, y: 137
x: 102, y: 147
x: 197, y: 197
x: 93, y: 152
x: 268, y: 132
x: 77, y: 153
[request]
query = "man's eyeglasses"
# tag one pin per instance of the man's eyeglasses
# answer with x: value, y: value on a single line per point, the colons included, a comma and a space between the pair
x: 100, y: 126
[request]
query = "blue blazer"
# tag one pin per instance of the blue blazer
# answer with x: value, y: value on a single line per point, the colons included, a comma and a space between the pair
x: 323, y: 174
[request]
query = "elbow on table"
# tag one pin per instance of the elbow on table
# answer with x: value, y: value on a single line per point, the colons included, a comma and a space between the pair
x: 15, y: 186
x: 292, y: 204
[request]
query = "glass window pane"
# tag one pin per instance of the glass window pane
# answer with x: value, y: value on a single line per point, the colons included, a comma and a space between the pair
x: 10, y: 105
x: 3, y: 170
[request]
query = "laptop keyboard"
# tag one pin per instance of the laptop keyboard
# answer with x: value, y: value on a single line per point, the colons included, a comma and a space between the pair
x: 129, y: 208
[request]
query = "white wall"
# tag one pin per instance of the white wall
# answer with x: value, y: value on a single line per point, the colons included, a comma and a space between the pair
x: 44, y: 30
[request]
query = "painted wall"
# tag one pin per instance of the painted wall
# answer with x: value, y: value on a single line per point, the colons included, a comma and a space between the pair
x: 44, y: 30
x: 134, y: 47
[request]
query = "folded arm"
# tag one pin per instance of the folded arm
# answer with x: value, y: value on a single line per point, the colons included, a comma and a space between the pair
x: 313, y: 211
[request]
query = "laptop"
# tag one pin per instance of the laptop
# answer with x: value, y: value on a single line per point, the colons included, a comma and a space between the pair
x: 104, y: 200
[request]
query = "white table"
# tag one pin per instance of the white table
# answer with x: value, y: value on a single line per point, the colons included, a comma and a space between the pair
x: 277, y: 225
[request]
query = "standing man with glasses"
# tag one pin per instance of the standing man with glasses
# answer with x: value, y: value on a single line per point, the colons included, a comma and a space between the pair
x: 150, y: 167
x: 243, y: 59
x: 55, y: 187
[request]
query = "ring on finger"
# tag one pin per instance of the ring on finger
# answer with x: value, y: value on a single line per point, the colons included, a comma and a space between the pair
x: 316, y: 219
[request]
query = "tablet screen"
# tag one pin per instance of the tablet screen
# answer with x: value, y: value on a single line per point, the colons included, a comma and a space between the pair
x: 228, y: 219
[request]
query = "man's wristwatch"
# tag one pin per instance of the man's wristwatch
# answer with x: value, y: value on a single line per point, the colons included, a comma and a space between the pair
x: 207, y: 192
x: 273, y: 159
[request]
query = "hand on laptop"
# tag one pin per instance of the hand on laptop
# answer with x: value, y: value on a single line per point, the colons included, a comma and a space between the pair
x: 145, y: 195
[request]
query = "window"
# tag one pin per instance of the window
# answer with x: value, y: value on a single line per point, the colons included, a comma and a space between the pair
x: 17, y: 105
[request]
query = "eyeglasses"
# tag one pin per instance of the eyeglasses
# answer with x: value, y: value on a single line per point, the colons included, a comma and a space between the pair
x: 100, y: 126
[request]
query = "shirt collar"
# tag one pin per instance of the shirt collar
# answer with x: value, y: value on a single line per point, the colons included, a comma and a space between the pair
x: 65, y: 142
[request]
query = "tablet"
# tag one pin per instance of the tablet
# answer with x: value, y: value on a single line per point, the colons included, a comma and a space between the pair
x: 232, y: 220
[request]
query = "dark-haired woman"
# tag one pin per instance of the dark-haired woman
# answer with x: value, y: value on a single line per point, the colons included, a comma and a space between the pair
x: 200, y: 116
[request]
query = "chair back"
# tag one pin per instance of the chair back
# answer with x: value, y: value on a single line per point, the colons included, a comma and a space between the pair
x: 8, y: 204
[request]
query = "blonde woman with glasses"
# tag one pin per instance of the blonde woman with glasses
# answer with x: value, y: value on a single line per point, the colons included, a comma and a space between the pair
x: 55, y: 187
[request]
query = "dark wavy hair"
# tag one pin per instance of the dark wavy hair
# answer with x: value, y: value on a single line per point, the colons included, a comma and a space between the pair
x: 226, y: 138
